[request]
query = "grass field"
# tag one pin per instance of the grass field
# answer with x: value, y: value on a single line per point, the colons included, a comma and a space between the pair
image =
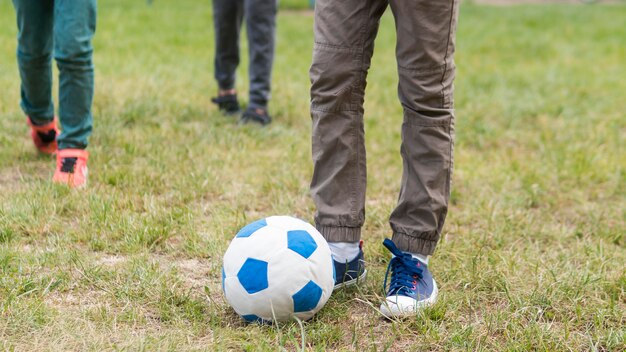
x: 534, y: 249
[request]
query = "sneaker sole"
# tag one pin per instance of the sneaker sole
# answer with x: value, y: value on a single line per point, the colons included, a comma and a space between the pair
x: 391, y: 310
x: 353, y: 281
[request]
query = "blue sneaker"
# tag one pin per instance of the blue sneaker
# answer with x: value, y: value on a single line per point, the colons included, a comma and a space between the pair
x: 412, y: 287
x: 350, y: 273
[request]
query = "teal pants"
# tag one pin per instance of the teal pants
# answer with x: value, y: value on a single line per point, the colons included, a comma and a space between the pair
x: 65, y: 28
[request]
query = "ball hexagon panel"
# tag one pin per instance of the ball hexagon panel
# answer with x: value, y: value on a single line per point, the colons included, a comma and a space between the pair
x: 301, y: 242
x: 289, y: 223
x: 253, y: 275
x: 307, y: 298
x: 263, y: 244
x: 243, y: 302
x: 289, y: 272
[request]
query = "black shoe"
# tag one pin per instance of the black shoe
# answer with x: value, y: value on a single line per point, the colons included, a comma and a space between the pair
x: 251, y: 115
x: 228, y: 104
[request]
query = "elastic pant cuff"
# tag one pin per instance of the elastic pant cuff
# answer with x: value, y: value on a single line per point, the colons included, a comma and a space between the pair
x: 41, y: 121
x: 413, y: 244
x: 226, y: 85
x: 71, y: 145
x: 340, y: 234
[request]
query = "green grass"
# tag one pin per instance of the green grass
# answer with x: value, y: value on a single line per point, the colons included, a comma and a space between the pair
x: 295, y: 4
x: 533, y: 253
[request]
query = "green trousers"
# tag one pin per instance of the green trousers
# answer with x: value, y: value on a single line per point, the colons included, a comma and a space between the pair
x: 66, y: 28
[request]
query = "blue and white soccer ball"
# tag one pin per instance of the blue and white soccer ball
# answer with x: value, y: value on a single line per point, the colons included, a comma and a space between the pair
x: 277, y: 268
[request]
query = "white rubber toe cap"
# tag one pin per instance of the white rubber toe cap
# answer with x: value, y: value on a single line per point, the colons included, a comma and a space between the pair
x: 399, y: 306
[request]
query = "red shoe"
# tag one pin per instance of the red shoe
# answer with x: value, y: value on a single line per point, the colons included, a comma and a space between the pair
x: 45, y: 137
x: 71, y: 168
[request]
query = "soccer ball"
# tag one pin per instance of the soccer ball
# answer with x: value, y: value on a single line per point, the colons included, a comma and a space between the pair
x: 277, y: 268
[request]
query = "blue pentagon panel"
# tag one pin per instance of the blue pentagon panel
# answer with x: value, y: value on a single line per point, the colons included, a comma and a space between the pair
x: 252, y: 318
x: 253, y: 275
x: 301, y: 242
x: 307, y: 298
x: 251, y: 228
x: 223, y: 279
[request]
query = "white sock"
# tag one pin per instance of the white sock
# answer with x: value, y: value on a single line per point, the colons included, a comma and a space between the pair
x: 344, y: 251
x: 420, y: 257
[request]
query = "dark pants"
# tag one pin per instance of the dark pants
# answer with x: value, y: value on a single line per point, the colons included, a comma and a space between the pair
x: 344, y: 43
x: 260, y: 18
x: 67, y: 27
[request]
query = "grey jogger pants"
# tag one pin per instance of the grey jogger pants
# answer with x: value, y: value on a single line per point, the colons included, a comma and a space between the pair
x: 260, y: 18
x: 344, y: 43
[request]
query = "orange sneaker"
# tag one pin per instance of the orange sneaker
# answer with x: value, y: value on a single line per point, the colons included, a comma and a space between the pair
x: 45, y: 137
x: 71, y: 168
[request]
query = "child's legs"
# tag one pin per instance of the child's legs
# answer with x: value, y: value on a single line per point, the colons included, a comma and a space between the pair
x: 425, y: 49
x: 34, y: 56
x: 74, y: 27
x: 227, y: 18
x: 261, y: 28
x: 344, y: 42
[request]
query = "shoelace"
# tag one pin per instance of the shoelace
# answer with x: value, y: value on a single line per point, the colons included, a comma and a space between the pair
x: 405, y: 271
x: 68, y: 165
